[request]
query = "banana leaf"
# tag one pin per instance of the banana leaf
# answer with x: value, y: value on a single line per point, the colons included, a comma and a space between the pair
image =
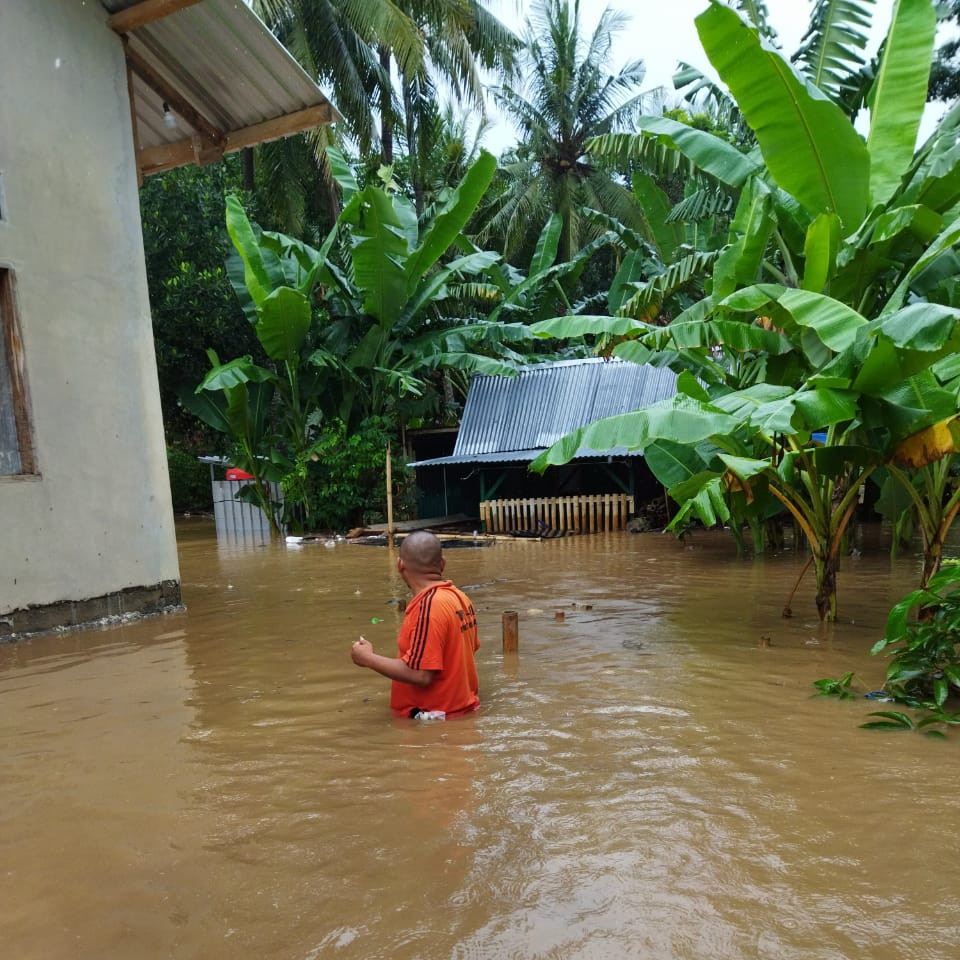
x: 707, y: 152
x: 342, y: 173
x: 451, y: 219
x: 944, y: 241
x: 704, y: 497
x: 580, y: 325
x: 823, y: 407
x: 284, y: 323
x: 680, y: 419
x: 834, y: 323
x: 735, y: 335
x: 548, y: 243
x: 262, y: 270
x: 656, y: 208
x: 820, y: 252
x: 906, y: 343
x: 673, y: 463
x: 750, y: 231
x: 678, y: 274
x: 242, y: 370
x: 898, y: 95
x: 810, y: 148
x: 379, y: 252
x: 933, y: 443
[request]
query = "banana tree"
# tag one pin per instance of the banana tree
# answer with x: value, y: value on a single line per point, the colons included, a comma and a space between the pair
x: 235, y: 398
x: 932, y: 485
x: 370, y: 287
x: 721, y: 451
x: 848, y: 231
x: 394, y: 276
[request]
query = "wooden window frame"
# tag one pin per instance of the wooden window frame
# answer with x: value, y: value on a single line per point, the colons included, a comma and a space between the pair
x: 16, y: 369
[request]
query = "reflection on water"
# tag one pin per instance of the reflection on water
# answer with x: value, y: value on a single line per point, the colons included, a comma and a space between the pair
x: 649, y: 778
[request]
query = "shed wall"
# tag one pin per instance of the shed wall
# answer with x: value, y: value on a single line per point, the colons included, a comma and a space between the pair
x: 96, y: 518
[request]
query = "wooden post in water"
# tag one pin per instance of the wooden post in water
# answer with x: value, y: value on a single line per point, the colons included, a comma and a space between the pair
x: 510, y: 638
x: 389, y: 496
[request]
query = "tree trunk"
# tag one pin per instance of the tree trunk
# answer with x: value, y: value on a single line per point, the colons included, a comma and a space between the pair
x: 247, y: 158
x: 386, y: 110
x: 448, y: 400
x: 413, y: 151
x: 827, y: 586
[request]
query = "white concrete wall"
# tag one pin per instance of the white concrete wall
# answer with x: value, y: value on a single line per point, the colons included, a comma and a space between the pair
x: 98, y: 518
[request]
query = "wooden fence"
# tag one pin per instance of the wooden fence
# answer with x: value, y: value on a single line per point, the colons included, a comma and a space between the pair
x: 583, y: 514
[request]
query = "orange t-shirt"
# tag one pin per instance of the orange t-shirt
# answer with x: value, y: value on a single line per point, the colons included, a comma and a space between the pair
x: 439, y: 632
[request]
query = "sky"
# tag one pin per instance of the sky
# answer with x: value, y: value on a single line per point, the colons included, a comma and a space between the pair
x: 662, y: 32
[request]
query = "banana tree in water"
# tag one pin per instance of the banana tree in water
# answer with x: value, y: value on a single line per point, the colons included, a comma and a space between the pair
x: 235, y: 398
x: 925, y: 468
x: 820, y: 315
x: 354, y: 328
x: 333, y: 337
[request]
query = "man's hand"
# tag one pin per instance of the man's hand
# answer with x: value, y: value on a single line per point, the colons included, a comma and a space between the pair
x: 361, y: 652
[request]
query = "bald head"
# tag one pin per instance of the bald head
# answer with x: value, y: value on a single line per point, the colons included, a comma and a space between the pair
x: 422, y: 553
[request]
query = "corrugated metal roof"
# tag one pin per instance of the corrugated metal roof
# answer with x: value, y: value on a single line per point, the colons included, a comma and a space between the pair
x: 219, y: 59
x: 516, y: 418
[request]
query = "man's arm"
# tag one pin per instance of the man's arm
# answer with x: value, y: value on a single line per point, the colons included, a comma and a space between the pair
x: 393, y: 668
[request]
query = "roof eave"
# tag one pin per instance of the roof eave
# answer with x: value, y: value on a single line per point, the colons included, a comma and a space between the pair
x: 206, y: 78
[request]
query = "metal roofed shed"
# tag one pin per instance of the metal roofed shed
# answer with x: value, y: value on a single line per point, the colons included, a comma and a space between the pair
x: 516, y: 418
x: 509, y: 421
x: 206, y: 78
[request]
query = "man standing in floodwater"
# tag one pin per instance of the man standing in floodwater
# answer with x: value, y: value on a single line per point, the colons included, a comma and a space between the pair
x: 435, y: 673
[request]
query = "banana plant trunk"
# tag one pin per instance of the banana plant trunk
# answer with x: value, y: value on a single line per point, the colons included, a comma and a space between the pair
x: 826, y: 570
x: 824, y: 523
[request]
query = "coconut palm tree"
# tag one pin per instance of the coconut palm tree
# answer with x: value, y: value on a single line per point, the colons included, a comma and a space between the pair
x: 461, y: 38
x: 354, y: 48
x: 564, y: 97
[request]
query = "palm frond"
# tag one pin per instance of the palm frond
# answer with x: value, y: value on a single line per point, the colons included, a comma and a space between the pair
x: 657, y: 158
x: 701, y: 205
x: 759, y: 17
x: 654, y: 292
x: 831, y: 50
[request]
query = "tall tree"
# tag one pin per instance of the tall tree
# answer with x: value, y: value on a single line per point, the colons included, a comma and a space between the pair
x: 461, y: 38
x: 356, y: 48
x: 564, y: 97
x: 191, y: 302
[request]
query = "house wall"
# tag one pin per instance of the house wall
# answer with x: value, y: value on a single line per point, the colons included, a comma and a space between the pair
x: 91, y: 532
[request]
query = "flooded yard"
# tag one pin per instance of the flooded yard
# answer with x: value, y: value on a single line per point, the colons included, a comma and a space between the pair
x: 649, y: 778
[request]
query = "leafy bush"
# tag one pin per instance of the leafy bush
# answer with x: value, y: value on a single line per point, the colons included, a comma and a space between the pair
x: 189, y: 481
x: 342, y: 483
x: 925, y: 653
x: 924, y: 666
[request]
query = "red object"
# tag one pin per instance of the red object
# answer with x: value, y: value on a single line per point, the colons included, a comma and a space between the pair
x: 235, y: 473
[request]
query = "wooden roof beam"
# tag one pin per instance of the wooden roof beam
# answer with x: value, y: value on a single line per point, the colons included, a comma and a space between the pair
x: 167, y: 156
x: 147, y: 11
x: 172, y: 97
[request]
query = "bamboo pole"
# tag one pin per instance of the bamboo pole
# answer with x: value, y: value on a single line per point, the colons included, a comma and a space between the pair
x: 389, y: 495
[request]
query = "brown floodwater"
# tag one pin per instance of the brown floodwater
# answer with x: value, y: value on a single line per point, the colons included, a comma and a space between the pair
x: 649, y: 778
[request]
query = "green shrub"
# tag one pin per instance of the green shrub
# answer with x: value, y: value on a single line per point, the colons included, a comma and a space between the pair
x: 343, y: 483
x: 189, y: 481
x: 925, y: 653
